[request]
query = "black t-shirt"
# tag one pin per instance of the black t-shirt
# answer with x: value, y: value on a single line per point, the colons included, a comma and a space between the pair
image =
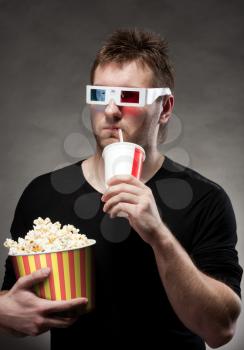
x: 132, y: 307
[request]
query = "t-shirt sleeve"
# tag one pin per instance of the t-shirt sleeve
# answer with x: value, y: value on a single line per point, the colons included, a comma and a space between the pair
x: 18, y: 229
x: 214, y: 247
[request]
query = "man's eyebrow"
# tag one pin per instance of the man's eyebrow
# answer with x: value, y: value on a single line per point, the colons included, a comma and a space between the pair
x: 128, y: 86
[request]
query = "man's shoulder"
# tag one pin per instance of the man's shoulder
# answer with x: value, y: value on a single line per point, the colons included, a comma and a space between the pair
x: 59, y: 179
x: 201, y: 184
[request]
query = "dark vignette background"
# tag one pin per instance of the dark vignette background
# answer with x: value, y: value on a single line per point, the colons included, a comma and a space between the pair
x: 45, y: 55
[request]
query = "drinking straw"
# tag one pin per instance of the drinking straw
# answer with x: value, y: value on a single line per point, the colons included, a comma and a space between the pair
x: 120, y: 136
x: 121, y: 213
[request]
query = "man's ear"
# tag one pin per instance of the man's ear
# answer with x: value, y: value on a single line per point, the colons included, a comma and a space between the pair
x: 167, y: 108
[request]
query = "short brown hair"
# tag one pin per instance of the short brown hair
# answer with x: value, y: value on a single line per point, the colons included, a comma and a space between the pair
x: 126, y: 45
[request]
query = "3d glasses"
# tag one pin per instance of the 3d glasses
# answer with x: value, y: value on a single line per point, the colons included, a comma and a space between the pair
x: 124, y: 96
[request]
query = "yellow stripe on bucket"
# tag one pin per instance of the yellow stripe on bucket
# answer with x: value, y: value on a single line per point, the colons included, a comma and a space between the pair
x: 21, y: 265
x: 77, y: 273
x: 56, y: 276
x: 32, y: 265
x: 46, y: 282
x: 66, y: 275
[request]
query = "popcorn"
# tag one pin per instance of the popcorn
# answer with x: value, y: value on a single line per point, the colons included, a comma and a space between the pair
x: 47, y: 237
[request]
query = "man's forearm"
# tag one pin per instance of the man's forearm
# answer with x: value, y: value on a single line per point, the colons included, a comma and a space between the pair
x: 207, y: 307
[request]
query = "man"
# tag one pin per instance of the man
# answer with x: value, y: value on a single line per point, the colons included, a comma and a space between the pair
x: 169, y: 273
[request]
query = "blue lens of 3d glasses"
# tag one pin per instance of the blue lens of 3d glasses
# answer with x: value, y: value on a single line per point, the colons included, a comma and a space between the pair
x: 98, y: 95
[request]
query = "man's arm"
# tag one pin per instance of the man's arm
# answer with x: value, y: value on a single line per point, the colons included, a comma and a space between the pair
x: 206, y: 306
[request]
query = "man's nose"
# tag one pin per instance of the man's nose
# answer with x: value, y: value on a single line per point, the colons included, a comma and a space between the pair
x: 112, y: 110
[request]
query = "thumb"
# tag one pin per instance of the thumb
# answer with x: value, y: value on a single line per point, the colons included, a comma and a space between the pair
x: 30, y: 280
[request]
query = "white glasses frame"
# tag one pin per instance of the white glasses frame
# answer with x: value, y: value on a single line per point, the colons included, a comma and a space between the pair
x: 146, y: 95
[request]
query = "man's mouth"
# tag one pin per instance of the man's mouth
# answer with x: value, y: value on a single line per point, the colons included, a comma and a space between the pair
x: 112, y: 129
x: 111, y: 132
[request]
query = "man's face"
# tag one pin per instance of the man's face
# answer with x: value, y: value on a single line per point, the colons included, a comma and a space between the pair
x: 138, y: 124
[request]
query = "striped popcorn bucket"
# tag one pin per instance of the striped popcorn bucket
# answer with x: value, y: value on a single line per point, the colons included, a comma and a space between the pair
x: 71, y: 276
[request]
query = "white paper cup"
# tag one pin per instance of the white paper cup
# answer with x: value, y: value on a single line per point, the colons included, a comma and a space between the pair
x: 123, y: 158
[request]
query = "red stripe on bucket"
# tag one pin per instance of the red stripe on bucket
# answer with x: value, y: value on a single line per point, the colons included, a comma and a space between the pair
x: 51, y: 278
x: 16, y: 267
x: 72, y: 274
x: 26, y: 265
x: 38, y: 266
x: 61, y: 275
x: 137, y: 163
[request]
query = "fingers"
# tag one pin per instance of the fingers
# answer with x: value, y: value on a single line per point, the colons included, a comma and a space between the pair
x: 32, y: 279
x: 121, y: 187
x: 45, y: 324
x: 64, y: 319
x: 54, y: 306
x: 129, y: 179
x: 61, y: 314
x: 121, y: 197
x: 123, y: 210
x: 68, y: 314
x: 59, y: 322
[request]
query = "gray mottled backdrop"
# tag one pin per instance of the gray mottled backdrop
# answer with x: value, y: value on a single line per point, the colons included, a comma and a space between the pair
x: 46, y: 51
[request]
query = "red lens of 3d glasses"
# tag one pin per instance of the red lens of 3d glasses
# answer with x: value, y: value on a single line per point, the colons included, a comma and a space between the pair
x: 129, y: 96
